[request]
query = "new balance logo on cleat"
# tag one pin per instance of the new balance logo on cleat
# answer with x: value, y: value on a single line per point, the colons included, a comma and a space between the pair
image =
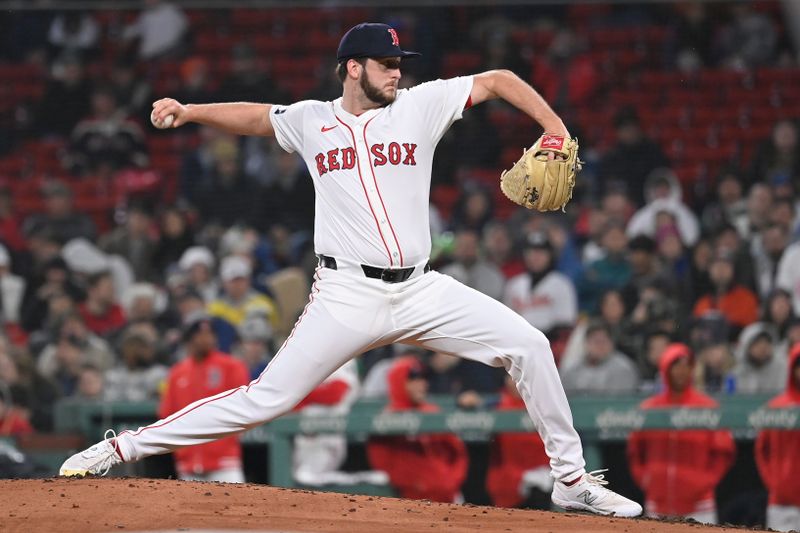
x: 587, y: 497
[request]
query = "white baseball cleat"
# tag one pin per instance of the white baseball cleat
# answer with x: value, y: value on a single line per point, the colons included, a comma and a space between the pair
x: 589, y: 494
x: 96, y: 460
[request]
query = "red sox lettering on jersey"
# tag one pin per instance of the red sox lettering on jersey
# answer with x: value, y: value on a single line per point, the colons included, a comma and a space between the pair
x: 345, y: 158
x: 372, y: 172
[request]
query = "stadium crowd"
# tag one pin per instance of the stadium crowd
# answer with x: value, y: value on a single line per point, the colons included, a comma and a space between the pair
x: 101, y: 306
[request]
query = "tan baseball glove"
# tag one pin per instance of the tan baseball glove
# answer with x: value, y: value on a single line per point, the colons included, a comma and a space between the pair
x: 538, y: 182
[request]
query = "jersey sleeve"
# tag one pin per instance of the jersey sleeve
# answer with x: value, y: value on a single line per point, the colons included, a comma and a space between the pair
x: 287, y: 121
x: 441, y: 103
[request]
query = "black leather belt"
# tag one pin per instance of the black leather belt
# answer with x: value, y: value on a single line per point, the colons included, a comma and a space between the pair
x: 388, y: 275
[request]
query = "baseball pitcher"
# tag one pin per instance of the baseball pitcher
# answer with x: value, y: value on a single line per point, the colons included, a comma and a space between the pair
x: 369, y: 153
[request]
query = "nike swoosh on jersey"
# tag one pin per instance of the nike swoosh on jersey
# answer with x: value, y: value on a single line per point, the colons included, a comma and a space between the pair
x: 328, y: 128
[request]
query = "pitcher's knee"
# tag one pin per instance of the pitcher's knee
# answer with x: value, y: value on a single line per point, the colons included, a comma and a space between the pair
x: 534, y: 346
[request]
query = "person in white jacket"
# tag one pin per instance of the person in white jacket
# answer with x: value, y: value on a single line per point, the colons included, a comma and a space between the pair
x: 543, y: 296
x: 663, y: 193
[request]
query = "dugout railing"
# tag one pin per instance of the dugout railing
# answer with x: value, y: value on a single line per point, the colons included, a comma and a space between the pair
x: 597, y: 419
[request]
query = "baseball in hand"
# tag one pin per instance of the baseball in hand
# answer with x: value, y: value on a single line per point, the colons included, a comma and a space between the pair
x: 161, y: 124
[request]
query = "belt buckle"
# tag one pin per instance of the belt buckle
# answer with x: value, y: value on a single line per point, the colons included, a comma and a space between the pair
x: 390, y: 278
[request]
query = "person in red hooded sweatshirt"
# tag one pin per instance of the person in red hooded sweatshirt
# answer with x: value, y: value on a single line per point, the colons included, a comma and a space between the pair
x: 519, y: 469
x: 424, y: 467
x: 203, y: 373
x: 777, y: 451
x: 678, y: 470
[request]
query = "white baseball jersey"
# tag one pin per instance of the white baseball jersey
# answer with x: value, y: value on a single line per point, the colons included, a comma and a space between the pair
x: 372, y: 179
x: 372, y: 172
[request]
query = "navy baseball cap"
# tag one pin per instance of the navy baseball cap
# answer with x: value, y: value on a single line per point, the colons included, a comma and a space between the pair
x: 371, y: 39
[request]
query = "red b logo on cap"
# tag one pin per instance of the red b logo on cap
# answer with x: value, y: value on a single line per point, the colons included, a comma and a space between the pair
x: 395, y: 40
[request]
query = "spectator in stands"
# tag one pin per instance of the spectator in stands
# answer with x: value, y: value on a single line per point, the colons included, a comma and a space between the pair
x: 500, y: 251
x: 645, y: 268
x: 655, y: 307
x: 247, y: 80
x: 317, y: 458
x: 602, y: 369
x: 13, y: 422
x: 476, y: 130
x: 766, y: 250
x: 132, y: 92
x: 759, y: 206
x: 198, y: 165
x: 730, y: 242
x: 161, y: 30
x: 464, y: 379
x: 144, y: 302
x: 729, y: 207
x: 52, y: 283
x: 75, y: 32
x: 714, y: 369
x: 737, y: 303
x: 471, y: 269
x: 473, y: 210
x: 678, y: 470
x: 788, y: 277
x: 135, y: 241
x: 288, y: 199
x: 229, y: 198
x: 544, y: 297
x: 519, y: 469
x: 614, y: 314
x: 138, y: 377
x: 429, y: 466
x: 196, y: 81
x: 73, y: 347
x: 566, y: 75
x: 784, y: 213
x: 205, y: 372
x: 376, y: 384
x: 633, y: 157
x: 12, y: 290
x: 90, y: 384
x: 85, y: 260
x: 100, y: 311
x: 760, y: 369
x: 776, y: 456
x: 10, y: 221
x: 673, y: 254
x: 176, y: 237
x: 18, y: 372
x: 106, y: 141
x: 66, y: 97
x: 648, y: 359
x: 692, y: 36
x: 255, y: 345
x: 184, y: 305
x: 238, y: 299
x: 750, y: 40
x: 197, y: 263
x: 612, y: 271
x: 60, y: 219
x: 777, y: 312
x: 663, y: 193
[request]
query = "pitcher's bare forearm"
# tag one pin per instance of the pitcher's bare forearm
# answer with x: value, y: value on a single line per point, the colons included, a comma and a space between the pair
x: 239, y: 118
x: 508, y: 86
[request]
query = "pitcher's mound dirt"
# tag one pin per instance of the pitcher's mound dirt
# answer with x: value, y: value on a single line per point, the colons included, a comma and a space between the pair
x: 70, y: 505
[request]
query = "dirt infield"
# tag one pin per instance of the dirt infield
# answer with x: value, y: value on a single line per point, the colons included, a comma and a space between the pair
x: 69, y: 505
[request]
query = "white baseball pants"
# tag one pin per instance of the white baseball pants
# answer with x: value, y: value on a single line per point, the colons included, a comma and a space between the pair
x: 348, y: 314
